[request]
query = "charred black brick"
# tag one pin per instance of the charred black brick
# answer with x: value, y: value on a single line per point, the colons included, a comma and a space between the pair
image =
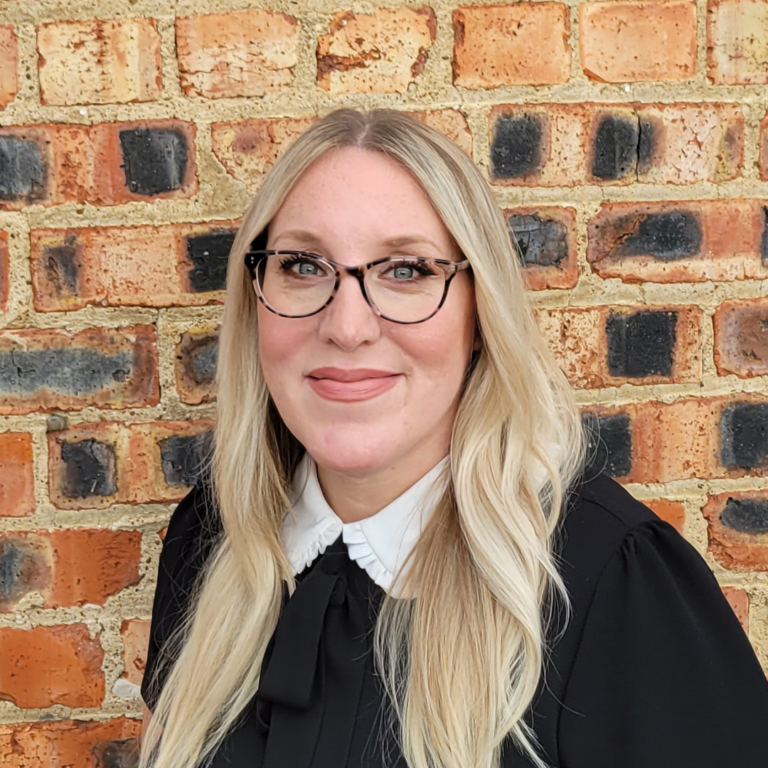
x: 22, y: 169
x: 615, y: 148
x: 200, y: 356
x: 610, y: 443
x: 69, y: 371
x: 120, y: 753
x: 90, y: 469
x: 764, y: 238
x: 665, y: 236
x: 516, y: 146
x: 154, y: 159
x: 641, y: 344
x: 62, y: 266
x: 208, y: 254
x: 744, y: 436
x: 746, y: 515
x: 182, y: 458
x: 541, y: 241
x: 645, y: 145
x: 19, y: 566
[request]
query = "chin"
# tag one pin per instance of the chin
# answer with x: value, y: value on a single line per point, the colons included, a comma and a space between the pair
x: 353, y: 450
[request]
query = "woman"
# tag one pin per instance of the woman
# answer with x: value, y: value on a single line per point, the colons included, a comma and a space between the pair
x: 400, y: 558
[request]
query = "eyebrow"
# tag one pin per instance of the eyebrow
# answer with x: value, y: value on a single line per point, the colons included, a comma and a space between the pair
x: 311, y: 240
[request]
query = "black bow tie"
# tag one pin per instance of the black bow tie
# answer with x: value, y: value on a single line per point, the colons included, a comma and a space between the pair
x: 314, y: 674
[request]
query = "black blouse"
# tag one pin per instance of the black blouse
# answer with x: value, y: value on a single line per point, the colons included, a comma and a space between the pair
x: 653, y: 669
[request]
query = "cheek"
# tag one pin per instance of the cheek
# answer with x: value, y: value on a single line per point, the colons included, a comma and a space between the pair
x: 280, y: 343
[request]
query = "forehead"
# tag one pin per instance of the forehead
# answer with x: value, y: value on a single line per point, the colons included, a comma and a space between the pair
x: 362, y: 195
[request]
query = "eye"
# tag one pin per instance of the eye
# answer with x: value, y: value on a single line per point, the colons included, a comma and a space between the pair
x: 303, y: 266
x: 408, y: 270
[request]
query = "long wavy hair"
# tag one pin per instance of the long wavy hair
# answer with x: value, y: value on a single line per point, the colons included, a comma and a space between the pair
x: 461, y: 661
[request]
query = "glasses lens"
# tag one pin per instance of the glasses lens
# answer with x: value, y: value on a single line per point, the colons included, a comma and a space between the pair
x: 406, y: 290
x: 295, y: 284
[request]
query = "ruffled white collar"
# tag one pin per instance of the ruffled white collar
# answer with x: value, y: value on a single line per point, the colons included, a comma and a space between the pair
x: 379, y: 544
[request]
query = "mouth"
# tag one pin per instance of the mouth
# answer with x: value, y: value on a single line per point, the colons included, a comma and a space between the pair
x: 351, y: 385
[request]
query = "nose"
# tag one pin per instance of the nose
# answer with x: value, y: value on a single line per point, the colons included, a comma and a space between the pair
x: 349, y: 320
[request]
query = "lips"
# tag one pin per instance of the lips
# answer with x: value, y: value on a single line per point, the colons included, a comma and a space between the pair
x: 351, y: 384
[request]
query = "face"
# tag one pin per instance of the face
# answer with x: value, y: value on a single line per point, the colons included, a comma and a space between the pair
x: 354, y: 206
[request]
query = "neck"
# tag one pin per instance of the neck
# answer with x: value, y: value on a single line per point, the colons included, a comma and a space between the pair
x: 353, y: 498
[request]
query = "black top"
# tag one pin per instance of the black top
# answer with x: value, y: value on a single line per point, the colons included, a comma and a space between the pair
x: 652, y: 671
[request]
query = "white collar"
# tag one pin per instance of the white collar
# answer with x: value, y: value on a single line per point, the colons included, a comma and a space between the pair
x: 379, y: 544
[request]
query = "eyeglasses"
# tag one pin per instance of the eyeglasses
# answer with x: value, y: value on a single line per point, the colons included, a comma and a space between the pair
x: 403, y: 289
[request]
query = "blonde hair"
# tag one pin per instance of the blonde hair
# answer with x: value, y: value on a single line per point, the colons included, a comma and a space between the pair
x: 462, y: 661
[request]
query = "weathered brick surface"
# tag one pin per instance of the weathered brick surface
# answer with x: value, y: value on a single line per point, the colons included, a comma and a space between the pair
x: 571, y: 144
x: 246, y: 53
x: 249, y: 148
x: 519, y: 44
x: 672, y: 512
x: 70, y: 744
x: 103, y: 164
x: 739, y: 600
x: 17, y: 480
x: 9, y: 64
x: 623, y: 42
x: 51, y: 665
x: 741, y: 337
x: 611, y: 346
x: 737, y: 41
x: 197, y: 353
x: 546, y: 242
x: 104, y: 367
x: 764, y: 147
x: 738, y: 529
x: 685, y: 241
x: 135, y: 636
x: 381, y: 52
x: 4, y: 276
x: 94, y: 465
x: 179, y: 264
x: 704, y: 437
x: 68, y: 567
x: 99, y: 61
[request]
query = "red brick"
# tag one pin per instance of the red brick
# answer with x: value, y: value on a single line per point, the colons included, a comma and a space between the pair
x: 739, y: 600
x: 629, y: 41
x: 47, y: 665
x: 520, y: 44
x: 17, y: 480
x: 741, y: 337
x: 737, y: 41
x: 579, y: 340
x: 672, y: 512
x: 764, y: 148
x: 249, y: 148
x: 87, y: 163
x: 571, y: 144
x: 94, y: 465
x: 546, y: 239
x: 151, y: 266
x: 9, y: 64
x: 245, y: 53
x: 738, y: 529
x: 70, y: 744
x: 69, y: 567
x: 99, y: 61
x: 705, y: 438
x: 381, y: 52
x: 196, y: 356
x: 449, y: 122
x: 4, y: 271
x: 685, y: 241
x: 102, y: 367
x: 135, y: 636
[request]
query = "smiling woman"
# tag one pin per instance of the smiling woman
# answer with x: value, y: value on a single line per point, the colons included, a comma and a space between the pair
x: 402, y: 556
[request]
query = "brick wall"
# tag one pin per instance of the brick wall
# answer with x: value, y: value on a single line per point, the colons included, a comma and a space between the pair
x: 627, y: 141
